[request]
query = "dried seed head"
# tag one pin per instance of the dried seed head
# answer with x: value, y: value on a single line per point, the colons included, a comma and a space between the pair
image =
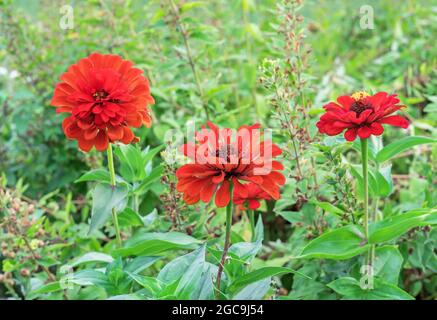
x: 25, y: 272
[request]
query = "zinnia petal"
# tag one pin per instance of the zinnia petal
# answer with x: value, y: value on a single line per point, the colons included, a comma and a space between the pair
x: 101, y: 141
x: 239, y: 188
x: 376, y: 128
x: 396, y: 121
x: 345, y: 101
x: 350, y: 134
x: 223, y: 196
x: 364, y: 132
x: 254, y: 204
x: 207, y: 192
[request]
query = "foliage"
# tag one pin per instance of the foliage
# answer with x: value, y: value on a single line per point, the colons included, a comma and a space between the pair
x: 234, y: 62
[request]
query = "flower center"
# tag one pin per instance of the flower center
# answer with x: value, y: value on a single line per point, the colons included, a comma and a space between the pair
x: 226, y: 152
x: 360, y: 103
x: 359, y: 106
x: 100, y: 95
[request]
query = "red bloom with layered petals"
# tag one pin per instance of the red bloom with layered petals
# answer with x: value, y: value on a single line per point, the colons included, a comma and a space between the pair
x: 221, y: 159
x: 361, y: 114
x: 105, y: 96
x: 253, y: 197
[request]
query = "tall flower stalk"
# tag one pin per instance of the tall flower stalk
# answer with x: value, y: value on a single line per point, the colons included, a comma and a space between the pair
x: 252, y: 223
x: 365, y: 165
x: 113, y: 184
x: 229, y: 209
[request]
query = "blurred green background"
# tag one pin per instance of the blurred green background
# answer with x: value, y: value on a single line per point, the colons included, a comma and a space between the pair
x: 228, y: 41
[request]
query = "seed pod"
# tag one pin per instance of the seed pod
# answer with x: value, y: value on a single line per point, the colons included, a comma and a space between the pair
x: 25, y: 272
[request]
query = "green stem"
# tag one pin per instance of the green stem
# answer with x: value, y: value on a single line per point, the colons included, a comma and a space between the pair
x: 227, y: 242
x: 113, y: 184
x: 374, y: 218
x: 252, y: 223
x: 365, y: 164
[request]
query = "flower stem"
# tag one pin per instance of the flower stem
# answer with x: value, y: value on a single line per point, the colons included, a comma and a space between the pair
x: 374, y: 218
x: 227, y: 243
x: 252, y: 223
x: 113, y: 184
x: 365, y: 163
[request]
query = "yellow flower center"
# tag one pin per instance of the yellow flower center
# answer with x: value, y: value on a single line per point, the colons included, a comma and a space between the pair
x: 359, y: 95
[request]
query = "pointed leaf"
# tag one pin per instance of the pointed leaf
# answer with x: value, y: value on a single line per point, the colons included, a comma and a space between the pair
x: 339, y: 244
x: 393, y: 227
x: 106, y: 197
x: 148, y: 244
x: 394, y: 148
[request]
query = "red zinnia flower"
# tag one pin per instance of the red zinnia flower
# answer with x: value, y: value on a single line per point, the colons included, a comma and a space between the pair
x: 361, y: 114
x: 252, y: 198
x: 104, y: 95
x: 220, y: 160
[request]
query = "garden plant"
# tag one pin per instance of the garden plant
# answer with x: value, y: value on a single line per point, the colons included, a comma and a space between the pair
x: 218, y: 150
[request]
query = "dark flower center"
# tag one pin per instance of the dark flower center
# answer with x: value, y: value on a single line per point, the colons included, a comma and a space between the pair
x: 100, y: 95
x: 359, y: 106
x: 225, y: 152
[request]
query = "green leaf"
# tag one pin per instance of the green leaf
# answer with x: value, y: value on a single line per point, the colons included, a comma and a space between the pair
x: 260, y: 274
x: 152, y: 285
x: 132, y: 296
x: 88, y: 277
x: 131, y: 162
x: 99, y: 175
x: 245, y: 251
x: 47, y: 288
x: 291, y: 216
x: 393, y: 227
x: 240, y: 254
x: 115, y: 273
x: 388, y: 263
x: 150, y: 218
x: 254, y: 291
x: 106, y: 197
x: 339, y: 244
x: 196, y: 282
x: 356, y: 171
x: 174, y: 270
x: 130, y: 218
x: 384, y: 181
x: 191, y: 5
x: 398, y: 146
x: 153, y: 243
x: 259, y: 230
x: 330, y: 208
x: 139, y: 264
x: 350, y: 288
x: 150, y: 154
x: 92, y: 257
x: 145, y: 184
